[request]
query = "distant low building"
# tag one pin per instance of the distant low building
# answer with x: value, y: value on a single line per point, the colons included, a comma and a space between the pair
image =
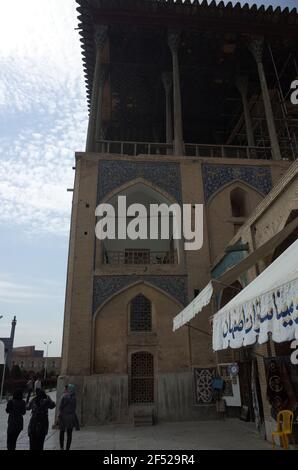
x: 30, y: 359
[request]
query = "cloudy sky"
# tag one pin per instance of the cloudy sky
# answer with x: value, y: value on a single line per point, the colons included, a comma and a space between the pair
x: 43, y: 121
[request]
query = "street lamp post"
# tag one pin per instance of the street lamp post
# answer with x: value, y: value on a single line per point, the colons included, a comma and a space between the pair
x: 46, y: 361
x: 3, y: 371
x: 3, y: 377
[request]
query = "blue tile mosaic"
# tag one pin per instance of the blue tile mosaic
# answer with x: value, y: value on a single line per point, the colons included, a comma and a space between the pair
x: 114, y: 173
x: 216, y: 176
x: 105, y: 287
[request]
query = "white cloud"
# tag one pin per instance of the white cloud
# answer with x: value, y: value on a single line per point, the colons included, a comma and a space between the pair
x: 43, y: 103
x: 15, y: 292
x: 43, y: 112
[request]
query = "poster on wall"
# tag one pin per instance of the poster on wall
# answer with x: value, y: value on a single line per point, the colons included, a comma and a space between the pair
x: 231, y: 392
x: 282, y: 385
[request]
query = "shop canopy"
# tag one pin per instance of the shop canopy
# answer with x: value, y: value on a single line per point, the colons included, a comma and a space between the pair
x: 194, y: 307
x: 227, y: 278
x: 269, y: 304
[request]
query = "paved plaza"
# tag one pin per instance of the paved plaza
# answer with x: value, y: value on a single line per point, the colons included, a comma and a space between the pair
x: 208, y: 435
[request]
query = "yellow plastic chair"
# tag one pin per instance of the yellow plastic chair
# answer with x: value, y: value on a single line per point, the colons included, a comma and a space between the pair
x: 284, y: 428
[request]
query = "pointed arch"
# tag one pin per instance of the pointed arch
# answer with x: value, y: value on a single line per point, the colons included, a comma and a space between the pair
x: 238, y: 201
x: 235, y: 183
x: 116, y: 311
x: 139, y: 282
x: 139, y: 181
x: 145, y: 249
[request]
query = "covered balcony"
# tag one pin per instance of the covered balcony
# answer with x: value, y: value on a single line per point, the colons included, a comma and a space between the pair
x: 190, y: 150
x: 179, y: 85
x: 140, y: 256
x: 159, y: 251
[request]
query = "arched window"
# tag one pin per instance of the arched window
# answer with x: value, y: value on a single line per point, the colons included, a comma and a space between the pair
x: 238, y: 202
x: 152, y: 250
x: 140, y: 314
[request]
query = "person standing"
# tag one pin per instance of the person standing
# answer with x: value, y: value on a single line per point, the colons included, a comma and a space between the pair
x: 39, y: 421
x: 67, y: 418
x: 30, y: 388
x: 16, y: 408
x: 37, y: 384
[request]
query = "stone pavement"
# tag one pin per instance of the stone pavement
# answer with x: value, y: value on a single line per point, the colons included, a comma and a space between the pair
x: 207, y: 435
x: 210, y: 435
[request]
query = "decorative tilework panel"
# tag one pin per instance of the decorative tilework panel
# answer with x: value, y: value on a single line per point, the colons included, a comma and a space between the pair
x: 216, y: 176
x: 115, y: 173
x: 203, y: 385
x: 106, y: 286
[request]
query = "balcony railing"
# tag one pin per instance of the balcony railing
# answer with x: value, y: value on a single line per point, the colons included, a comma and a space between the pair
x: 191, y: 150
x: 134, y: 256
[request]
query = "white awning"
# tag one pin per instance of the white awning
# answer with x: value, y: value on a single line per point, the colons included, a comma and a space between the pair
x: 194, y: 307
x: 268, y: 304
x: 229, y: 276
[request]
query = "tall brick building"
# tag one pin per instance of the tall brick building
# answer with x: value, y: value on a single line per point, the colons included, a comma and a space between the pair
x: 189, y: 104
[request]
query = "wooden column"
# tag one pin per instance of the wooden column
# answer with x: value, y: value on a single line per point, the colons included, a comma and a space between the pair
x: 100, y: 37
x: 167, y: 80
x: 256, y: 47
x: 174, y: 42
x: 242, y: 85
x: 99, y: 131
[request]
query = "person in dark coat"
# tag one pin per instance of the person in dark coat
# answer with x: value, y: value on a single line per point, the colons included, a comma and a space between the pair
x: 39, y: 421
x: 67, y: 418
x: 16, y: 408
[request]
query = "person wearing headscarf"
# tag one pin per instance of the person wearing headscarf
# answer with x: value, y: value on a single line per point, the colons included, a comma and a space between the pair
x: 30, y: 389
x: 67, y: 418
x: 39, y: 421
x: 16, y: 408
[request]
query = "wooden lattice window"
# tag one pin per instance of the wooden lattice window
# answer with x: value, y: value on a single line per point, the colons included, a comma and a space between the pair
x: 135, y: 256
x: 140, y: 314
x: 142, y: 378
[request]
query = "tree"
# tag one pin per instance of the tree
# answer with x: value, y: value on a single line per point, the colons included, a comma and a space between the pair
x: 16, y: 372
x: 7, y: 372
